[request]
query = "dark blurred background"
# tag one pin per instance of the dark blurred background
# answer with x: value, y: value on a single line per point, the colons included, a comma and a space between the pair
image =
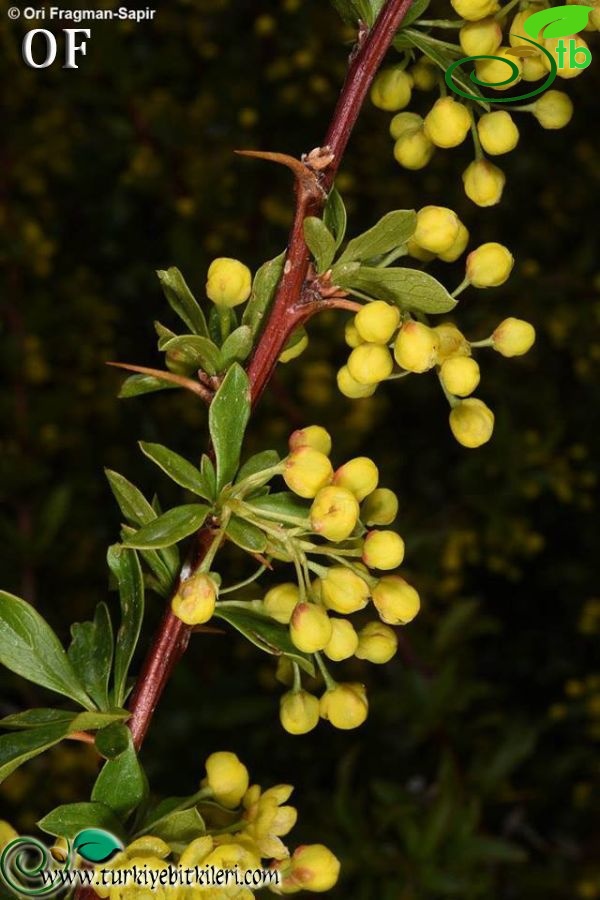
x: 474, y: 775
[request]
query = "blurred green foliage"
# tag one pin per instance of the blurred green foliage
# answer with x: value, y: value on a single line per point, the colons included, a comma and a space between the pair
x: 474, y: 775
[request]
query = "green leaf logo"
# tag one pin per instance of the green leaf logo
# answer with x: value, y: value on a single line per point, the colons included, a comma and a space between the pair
x: 96, y: 845
x: 561, y: 21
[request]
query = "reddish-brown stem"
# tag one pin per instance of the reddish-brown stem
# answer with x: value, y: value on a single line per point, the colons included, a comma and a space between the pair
x: 293, y: 306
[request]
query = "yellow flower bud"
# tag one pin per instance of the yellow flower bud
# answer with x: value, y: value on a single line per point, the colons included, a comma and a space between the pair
x: 377, y: 321
x: 480, y: 38
x: 383, y: 550
x: 447, y: 123
x: 343, y: 641
x: 229, y: 282
x: 352, y: 388
x: 489, y: 265
x: 458, y: 247
x: 313, y: 868
x: 295, y: 349
x: 359, y: 475
x: 404, y: 121
x: 452, y: 342
x: 460, y: 375
x: 535, y: 68
x: 553, y: 109
x: 380, y: 507
x: 418, y: 252
x: 307, y: 471
x: 299, y: 712
x: 334, y: 513
x: 345, y: 706
x: 195, y: 600
x: 310, y: 627
x: 196, y: 852
x: 279, y: 603
x: 227, y: 777
x: 343, y: 591
x: 437, y: 228
x: 351, y: 335
x: 484, y: 182
x: 312, y: 436
x: 472, y: 422
x: 497, y: 132
x: 413, y: 149
x: 148, y: 845
x: 377, y: 643
x: 513, y: 337
x: 416, y: 347
x: 396, y: 601
x: 571, y: 53
x: 424, y: 75
x: 473, y: 10
x: 370, y: 363
x: 392, y: 89
x: 494, y: 71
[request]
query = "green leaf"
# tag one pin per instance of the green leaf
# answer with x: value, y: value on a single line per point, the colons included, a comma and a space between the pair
x: 170, y: 528
x: 346, y: 11
x: 335, y: 217
x: 320, y: 242
x: 122, y: 783
x: 165, y: 570
x: 181, y: 827
x: 30, y: 648
x: 266, y: 634
x: 125, y: 566
x: 112, y: 740
x: 136, y: 385
x: 237, y: 347
x: 182, y: 301
x: 284, y: 503
x: 207, y: 470
x: 442, y: 57
x: 19, y: 746
x: 164, y: 334
x: 246, y: 535
x: 266, y: 459
x: 96, y: 845
x: 68, y: 820
x: 391, y: 232
x: 132, y: 502
x: 177, y: 468
x: 410, y: 289
x: 263, y: 290
x: 221, y: 321
x: 196, y: 352
x: 417, y: 8
x: 228, y: 416
x: 493, y: 850
x: 74, y: 721
x: 91, y: 654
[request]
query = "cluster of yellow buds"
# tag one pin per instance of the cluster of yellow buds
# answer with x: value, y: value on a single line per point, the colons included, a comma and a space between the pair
x: 253, y: 842
x: 449, y: 121
x: 386, y: 344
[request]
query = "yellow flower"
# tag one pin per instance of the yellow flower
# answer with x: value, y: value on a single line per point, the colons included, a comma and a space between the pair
x: 343, y: 641
x: 383, y: 550
x: 553, y: 109
x: 473, y: 10
x: 513, y: 337
x: 489, y: 265
x: 227, y: 777
x: 310, y: 627
x: 359, y: 475
x: 377, y: 321
x: 413, y: 149
x: 313, y: 436
x: 345, y: 706
x: 194, y: 602
x: 423, y: 74
x: 352, y: 388
x: 460, y: 375
x: 334, y: 513
x: 343, y: 591
x: 380, y: 507
x: 497, y: 132
x: 472, y: 422
x: 458, y: 247
x: 377, y: 643
x: 416, y: 347
x: 307, y: 471
x: 481, y: 37
x: 370, y: 363
x: 573, y: 59
x: 279, y: 602
x: 392, y: 89
x: 312, y: 868
x: 267, y: 819
x: 404, y: 121
x: 452, y: 342
x: 447, y: 123
x: 437, y: 228
x: 494, y: 71
x: 351, y: 335
x: 298, y: 712
x: 229, y: 282
x: 484, y: 182
x: 396, y: 601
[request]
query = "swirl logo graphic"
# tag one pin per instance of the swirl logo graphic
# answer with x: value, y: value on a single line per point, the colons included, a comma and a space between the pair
x: 557, y: 22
